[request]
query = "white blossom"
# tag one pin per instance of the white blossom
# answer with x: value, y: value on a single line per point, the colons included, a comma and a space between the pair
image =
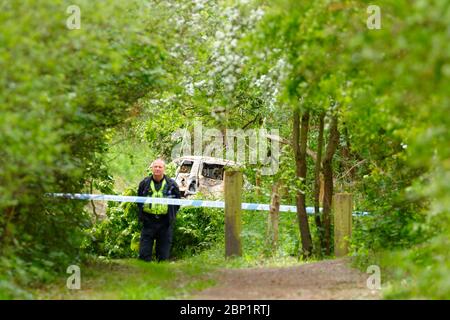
x: 199, y: 84
x: 220, y: 35
x: 190, y: 89
x: 256, y: 15
x: 180, y: 21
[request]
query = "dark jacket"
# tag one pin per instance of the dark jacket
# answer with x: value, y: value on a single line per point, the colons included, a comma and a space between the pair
x: 171, y: 190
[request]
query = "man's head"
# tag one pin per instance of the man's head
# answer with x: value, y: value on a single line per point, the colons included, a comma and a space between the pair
x: 158, y: 167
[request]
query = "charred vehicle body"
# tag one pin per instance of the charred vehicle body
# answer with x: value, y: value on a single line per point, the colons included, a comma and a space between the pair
x: 201, y: 174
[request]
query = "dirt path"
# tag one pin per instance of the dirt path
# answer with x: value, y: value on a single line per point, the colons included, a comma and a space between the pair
x: 330, y: 279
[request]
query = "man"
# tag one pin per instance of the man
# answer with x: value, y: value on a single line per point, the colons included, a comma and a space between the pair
x: 157, y: 219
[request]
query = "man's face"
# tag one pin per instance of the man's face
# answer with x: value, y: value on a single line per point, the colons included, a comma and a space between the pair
x: 158, y: 168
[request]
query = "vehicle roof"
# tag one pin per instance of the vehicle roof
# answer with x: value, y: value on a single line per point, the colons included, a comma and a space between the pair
x: 212, y: 160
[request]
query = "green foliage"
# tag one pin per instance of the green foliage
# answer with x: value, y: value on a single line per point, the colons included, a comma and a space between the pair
x: 67, y: 97
x: 389, y: 87
x: 117, y: 235
x: 392, y: 222
x: 409, y: 147
x: 128, y: 160
x: 420, y: 272
x: 197, y: 229
x: 62, y: 93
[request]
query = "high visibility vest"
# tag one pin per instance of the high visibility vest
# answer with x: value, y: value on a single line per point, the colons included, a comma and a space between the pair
x: 156, y: 208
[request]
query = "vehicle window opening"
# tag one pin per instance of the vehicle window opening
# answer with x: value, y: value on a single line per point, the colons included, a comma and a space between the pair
x: 186, y: 167
x: 213, y: 171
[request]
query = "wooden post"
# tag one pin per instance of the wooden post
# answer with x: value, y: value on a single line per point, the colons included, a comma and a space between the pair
x: 342, y: 209
x: 233, y: 191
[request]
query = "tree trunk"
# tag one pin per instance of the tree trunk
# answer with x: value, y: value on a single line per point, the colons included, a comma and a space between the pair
x: 91, y: 189
x: 317, y: 184
x: 258, y: 182
x: 347, y: 156
x: 272, y: 223
x: 300, y: 137
x: 327, y: 164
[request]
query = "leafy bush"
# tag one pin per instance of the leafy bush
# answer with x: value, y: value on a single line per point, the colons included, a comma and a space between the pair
x: 62, y: 93
x: 196, y: 229
x: 117, y: 236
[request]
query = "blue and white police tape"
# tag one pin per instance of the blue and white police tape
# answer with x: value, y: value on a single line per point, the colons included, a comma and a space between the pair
x: 179, y: 202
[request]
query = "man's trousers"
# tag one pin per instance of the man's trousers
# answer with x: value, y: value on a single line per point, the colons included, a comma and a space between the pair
x: 156, y: 229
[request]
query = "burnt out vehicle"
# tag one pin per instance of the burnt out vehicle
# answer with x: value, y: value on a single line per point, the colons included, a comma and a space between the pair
x: 201, y: 174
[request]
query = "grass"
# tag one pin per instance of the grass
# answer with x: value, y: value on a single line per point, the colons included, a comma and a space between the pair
x: 132, y: 279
